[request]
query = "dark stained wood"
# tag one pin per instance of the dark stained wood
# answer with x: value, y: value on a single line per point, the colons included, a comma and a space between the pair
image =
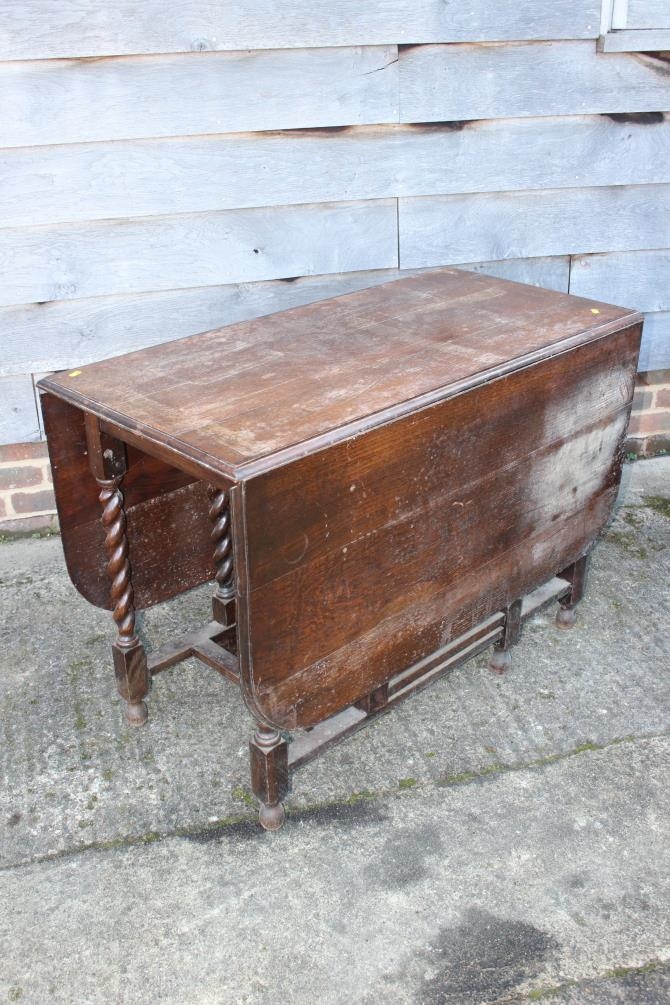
x: 382, y: 485
x: 479, y: 498
x: 501, y: 658
x: 374, y: 701
x: 269, y: 775
x: 326, y: 734
x: 167, y: 527
x: 576, y: 574
x: 223, y: 601
x: 337, y: 495
x: 235, y: 396
x: 304, y: 695
x: 107, y: 458
x: 211, y: 645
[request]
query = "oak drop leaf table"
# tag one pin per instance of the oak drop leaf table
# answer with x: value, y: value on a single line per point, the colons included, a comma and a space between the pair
x: 382, y: 484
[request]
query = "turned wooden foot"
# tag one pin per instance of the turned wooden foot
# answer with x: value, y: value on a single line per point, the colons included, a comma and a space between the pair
x: 566, y: 617
x: 269, y: 775
x: 133, y: 679
x: 137, y: 713
x: 500, y: 661
x: 271, y: 818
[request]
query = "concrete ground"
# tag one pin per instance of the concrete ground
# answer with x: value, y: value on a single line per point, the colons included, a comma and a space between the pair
x: 491, y: 840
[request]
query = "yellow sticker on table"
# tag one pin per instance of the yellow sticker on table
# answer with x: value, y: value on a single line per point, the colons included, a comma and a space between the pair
x: 594, y: 310
x: 75, y: 373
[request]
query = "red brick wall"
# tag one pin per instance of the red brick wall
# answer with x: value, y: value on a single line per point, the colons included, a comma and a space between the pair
x: 26, y: 496
x: 27, y: 502
x: 649, y: 430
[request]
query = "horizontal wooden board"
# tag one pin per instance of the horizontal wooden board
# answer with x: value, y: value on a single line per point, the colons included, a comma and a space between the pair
x: 86, y: 260
x: 549, y: 273
x: 18, y: 411
x: 89, y: 181
x: 533, y: 78
x: 639, y: 279
x: 33, y: 29
x: 648, y: 14
x: 74, y: 101
x: 655, y: 349
x: 67, y: 333
x: 451, y: 229
x: 646, y: 40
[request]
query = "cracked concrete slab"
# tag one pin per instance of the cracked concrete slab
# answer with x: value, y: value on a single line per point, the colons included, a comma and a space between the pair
x: 648, y: 986
x: 454, y: 894
x: 426, y: 847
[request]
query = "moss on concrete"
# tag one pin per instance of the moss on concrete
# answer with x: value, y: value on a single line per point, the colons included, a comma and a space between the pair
x: 556, y: 990
x: 357, y: 797
x: 243, y: 795
x: 659, y: 504
x: 628, y: 541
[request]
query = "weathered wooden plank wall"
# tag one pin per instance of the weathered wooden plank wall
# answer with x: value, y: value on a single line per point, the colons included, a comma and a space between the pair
x: 92, y: 181
x: 526, y: 78
x: 457, y: 228
x: 75, y: 101
x: 35, y: 29
x: 636, y: 277
x: 174, y: 252
x: 167, y: 169
x: 648, y: 14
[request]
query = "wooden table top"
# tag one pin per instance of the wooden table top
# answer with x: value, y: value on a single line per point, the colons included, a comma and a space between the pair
x: 255, y: 394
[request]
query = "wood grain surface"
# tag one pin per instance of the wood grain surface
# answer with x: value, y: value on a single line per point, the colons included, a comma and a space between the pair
x: 254, y: 390
x: 366, y: 557
x: 640, y: 279
x: 35, y: 30
x: 74, y: 101
x: 70, y: 183
x: 130, y: 133
x: 170, y: 548
x: 404, y: 461
x: 450, y: 229
x: 526, y: 78
x: 174, y: 252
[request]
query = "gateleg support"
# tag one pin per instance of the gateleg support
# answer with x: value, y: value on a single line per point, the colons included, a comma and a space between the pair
x: 269, y: 775
x: 501, y: 658
x: 576, y: 574
x: 107, y: 459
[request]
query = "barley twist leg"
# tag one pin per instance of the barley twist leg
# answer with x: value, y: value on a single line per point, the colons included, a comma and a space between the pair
x: 130, y: 663
x: 223, y: 601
